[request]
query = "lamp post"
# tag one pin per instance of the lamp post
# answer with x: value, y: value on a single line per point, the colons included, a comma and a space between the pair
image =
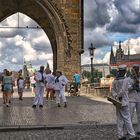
x: 91, y: 52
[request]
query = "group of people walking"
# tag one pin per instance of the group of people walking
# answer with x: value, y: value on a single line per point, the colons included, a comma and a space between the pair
x: 127, y: 91
x: 54, y: 83
x: 42, y: 81
x: 7, y: 86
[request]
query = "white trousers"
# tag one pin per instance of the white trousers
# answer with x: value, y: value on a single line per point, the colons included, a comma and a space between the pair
x: 124, y: 121
x: 60, y: 95
x: 38, y: 100
x: 133, y: 106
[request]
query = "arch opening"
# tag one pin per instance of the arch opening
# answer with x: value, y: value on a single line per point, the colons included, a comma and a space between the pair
x: 28, y: 44
x: 61, y: 21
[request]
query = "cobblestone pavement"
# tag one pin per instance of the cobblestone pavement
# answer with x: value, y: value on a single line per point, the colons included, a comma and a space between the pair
x: 80, y: 109
x: 91, y: 114
x: 103, y: 133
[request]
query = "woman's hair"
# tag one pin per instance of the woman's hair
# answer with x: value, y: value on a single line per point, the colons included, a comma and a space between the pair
x: 7, y: 73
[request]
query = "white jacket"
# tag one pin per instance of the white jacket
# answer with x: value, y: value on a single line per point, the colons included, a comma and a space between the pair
x: 133, y: 95
x: 120, y: 90
x: 60, y: 83
x: 50, y: 79
x: 39, y: 80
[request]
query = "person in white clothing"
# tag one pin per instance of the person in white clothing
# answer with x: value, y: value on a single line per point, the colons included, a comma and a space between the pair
x: 120, y: 92
x: 40, y: 83
x: 59, y: 87
x: 134, y: 93
x: 33, y: 82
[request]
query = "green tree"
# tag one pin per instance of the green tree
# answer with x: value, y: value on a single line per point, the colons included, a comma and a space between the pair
x: 86, y: 74
x: 97, y: 75
x: 113, y: 72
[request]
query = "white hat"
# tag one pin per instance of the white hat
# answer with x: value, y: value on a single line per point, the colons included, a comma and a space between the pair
x: 136, y: 65
x: 122, y: 67
x: 58, y: 70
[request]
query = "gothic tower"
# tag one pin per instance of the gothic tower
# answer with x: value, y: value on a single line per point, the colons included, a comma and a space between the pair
x: 119, y: 54
x: 112, y: 57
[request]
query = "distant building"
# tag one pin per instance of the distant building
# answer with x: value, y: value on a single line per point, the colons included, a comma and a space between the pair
x: 28, y: 70
x: 121, y: 58
x: 102, y: 67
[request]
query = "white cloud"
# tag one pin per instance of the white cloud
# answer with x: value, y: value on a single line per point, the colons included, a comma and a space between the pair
x: 106, y: 58
x: 101, y: 18
x: 14, y: 60
x: 133, y: 44
x: 17, y: 44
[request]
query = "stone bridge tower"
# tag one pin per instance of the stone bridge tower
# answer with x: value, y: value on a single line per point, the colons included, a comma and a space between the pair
x: 62, y: 21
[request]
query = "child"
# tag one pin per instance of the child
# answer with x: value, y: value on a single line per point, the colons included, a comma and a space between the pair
x: 20, y: 84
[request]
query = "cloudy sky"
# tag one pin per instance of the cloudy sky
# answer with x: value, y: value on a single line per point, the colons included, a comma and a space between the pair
x: 106, y: 22
x: 17, y: 45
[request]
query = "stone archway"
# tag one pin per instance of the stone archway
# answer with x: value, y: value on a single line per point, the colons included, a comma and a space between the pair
x: 61, y: 21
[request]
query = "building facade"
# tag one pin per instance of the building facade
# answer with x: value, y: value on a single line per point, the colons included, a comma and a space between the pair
x: 121, y: 58
x: 102, y: 67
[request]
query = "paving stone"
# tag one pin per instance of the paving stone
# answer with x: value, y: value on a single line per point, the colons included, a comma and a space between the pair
x: 85, y: 118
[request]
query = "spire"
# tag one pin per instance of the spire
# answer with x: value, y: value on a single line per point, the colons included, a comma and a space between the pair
x: 48, y: 66
x: 119, y: 44
x: 128, y: 51
x: 112, y: 57
x: 119, y: 53
x: 30, y: 64
x: 24, y: 61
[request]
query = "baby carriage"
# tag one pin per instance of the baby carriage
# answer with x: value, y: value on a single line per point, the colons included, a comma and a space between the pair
x: 72, y: 89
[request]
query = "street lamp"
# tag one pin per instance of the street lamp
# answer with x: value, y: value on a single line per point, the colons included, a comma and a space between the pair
x: 91, y: 52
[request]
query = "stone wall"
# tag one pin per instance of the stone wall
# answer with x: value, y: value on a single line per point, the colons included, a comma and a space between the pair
x: 62, y: 21
x: 73, y: 14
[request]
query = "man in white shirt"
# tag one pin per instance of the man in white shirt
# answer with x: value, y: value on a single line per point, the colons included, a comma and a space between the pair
x: 40, y: 83
x: 134, y: 93
x: 120, y: 92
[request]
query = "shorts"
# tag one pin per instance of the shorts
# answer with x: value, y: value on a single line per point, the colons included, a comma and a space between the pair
x: 49, y: 87
x: 33, y: 85
x: 20, y: 90
x: 8, y: 87
x: 77, y: 85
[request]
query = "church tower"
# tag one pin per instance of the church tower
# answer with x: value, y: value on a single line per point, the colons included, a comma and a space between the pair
x: 119, y: 54
x: 112, y: 57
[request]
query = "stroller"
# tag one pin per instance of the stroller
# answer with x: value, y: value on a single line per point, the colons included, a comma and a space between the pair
x: 72, y: 89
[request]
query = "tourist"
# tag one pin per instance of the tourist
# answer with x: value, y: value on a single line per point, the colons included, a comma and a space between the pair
x: 59, y: 87
x: 21, y: 85
x: 13, y: 84
x: 49, y: 85
x: 119, y: 92
x: 76, y: 78
x: 134, y: 94
x: 2, y: 85
x: 7, y: 82
x: 40, y: 83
